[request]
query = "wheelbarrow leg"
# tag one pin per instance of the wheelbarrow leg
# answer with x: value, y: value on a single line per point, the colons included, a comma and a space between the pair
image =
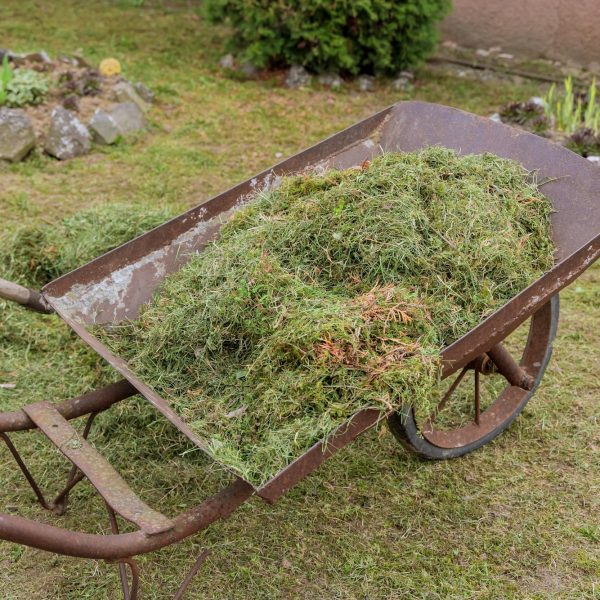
x: 26, y: 472
x: 129, y: 593
x: 58, y: 506
x: 193, y: 571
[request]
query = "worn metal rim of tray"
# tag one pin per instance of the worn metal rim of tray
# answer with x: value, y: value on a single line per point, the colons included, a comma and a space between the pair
x: 114, y: 286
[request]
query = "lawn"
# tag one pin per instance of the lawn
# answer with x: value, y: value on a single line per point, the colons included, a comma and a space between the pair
x: 518, y: 519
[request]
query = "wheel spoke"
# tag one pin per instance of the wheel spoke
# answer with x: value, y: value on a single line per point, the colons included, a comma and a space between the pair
x: 440, y: 406
x: 477, y: 397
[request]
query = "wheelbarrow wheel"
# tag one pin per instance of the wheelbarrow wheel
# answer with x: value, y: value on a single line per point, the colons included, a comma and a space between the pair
x: 468, y: 416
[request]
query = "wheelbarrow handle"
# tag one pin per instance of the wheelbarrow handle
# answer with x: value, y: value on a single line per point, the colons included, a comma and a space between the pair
x: 24, y: 296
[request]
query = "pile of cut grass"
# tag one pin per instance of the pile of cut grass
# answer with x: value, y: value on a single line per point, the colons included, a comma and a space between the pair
x: 335, y: 293
x: 34, y: 254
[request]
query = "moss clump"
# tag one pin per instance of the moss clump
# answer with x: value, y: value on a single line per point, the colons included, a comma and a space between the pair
x: 35, y: 254
x: 335, y: 293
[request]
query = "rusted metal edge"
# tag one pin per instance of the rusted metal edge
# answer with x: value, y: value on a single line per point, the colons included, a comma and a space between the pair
x: 319, y: 453
x: 506, y: 319
x: 92, y: 402
x: 164, y: 234
x: 110, y: 485
x: 114, y: 547
x: 123, y: 368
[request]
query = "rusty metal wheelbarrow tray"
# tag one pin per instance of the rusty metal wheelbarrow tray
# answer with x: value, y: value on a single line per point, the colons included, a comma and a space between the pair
x: 114, y: 286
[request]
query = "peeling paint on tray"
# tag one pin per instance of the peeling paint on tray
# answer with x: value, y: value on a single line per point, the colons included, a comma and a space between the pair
x: 103, y: 300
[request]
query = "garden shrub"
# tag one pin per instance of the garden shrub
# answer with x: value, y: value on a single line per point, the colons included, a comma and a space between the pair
x: 350, y: 36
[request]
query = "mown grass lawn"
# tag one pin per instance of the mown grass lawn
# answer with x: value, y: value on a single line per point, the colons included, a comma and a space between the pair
x: 518, y: 519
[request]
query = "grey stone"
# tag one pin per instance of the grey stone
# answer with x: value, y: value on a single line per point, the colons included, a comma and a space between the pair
x: 16, y: 59
x: 406, y: 74
x: 39, y: 57
x: 495, y: 49
x: 68, y: 60
x: 128, y: 117
x: 227, y: 61
x: 594, y: 160
x: 366, y: 83
x: 496, y: 118
x: 481, y: 52
x: 71, y: 102
x: 537, y: 101
x: 144, y: 92
x: 17, y: 137
x: 297, y: 76
x: 331, y: 80
x: 249, y: 70
x: 505, y: 56
x: 104, y: 128
x: 68, y: 137
x: 402, y: 84
x: 125, y: 92
x: 81, y: 62
x: 450, y: 45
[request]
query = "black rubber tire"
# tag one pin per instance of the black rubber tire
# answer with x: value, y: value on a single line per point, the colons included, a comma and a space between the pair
x: 404, y: 427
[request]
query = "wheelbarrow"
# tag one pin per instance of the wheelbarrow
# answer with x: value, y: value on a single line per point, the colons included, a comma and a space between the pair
x: 114, y: 286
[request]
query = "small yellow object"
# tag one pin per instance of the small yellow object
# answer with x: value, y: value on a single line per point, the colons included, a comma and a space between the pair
x: 110, y: 66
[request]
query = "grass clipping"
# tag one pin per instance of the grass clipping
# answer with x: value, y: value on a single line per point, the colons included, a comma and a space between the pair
x: 334, y: 293
x: 36, y: 253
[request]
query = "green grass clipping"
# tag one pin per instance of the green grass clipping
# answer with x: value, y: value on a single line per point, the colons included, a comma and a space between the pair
x: 334, y: 293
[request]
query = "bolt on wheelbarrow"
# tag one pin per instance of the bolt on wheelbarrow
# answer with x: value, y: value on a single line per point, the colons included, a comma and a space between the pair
x: 114, y: 286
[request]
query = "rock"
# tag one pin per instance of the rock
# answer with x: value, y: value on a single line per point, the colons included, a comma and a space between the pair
x: 537, y: 101
x: 67, y: 60
x: 366, y: 83
x: 104, y: 128
x: 594, y: 67
x: 17, y: 60
x: 39, y: 57
x: 17, y: 137
x: 125, y: 92
x: 450, y: 45
x: 71, y: 102
x: 495, y: 49
x: 297, y: 76
x: 128, y: 117
x: 594, y: 160
x: 249, y: 70
x: 481, y: 52
x: 496, y: 118
x: 505, y: 56
x: 278, y: 154
x: 107, y: 127
x: 227, y: 62
x: 81, y: 62
x: 68, y: 136
x: 401, y: 84
x: 331, y: 80
x: 144, y: 92
x: 406, y: 74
